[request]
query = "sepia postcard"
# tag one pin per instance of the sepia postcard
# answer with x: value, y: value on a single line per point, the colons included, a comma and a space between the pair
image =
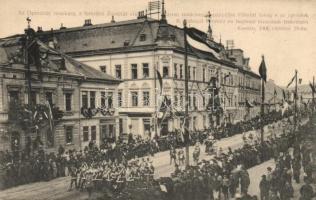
x: 157, y: 100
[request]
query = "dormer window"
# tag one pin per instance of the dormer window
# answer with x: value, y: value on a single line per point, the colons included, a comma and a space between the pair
x: 126, y: 43
x: 142, y: 37
x: 60, y: 63
x: 103, y: 68
x: 173, y: 37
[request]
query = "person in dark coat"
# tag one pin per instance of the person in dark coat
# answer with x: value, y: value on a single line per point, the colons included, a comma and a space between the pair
x: 287, y: 191
x: 296, y: 165
x: 306, y: 191
x: 244, y: 181
x: 264, y: 188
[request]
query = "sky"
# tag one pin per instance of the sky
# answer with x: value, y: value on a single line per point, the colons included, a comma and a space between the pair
x: 284, y: 31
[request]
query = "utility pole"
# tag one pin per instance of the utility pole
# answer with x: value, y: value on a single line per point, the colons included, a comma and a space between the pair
x: 186, y: 90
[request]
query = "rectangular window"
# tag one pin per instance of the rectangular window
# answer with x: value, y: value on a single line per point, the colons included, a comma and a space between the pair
x: 189, y: 72
x: 119, y: 99
x: 33, y: 98
x: 175, y: 100
x: 49, y: 97
x: 103, y: 99
x: 103, y: 68
x: 84, y: 99
x: 68, y: 101
x: 110, y: 99
x: 92, y: 99
x: 134, y: 71
x: 165, y: 72
x: 194, y: 101
x: 145, y: 70
x: 104, y: 132
x: 13, y: 96
x: 181, y: 71
x: 85, y: 133
x: 121, y: 125
x: 194, y: 73
x: 175, y: 71
x: 134, y: 98
x: 142, y: 37
x: 111, y: 131
x: 118, y: 71
x: 204, y: 75
x: 146, y: 98
x: 181, y: 99
x: 93, y: 133
x: 68, y: 134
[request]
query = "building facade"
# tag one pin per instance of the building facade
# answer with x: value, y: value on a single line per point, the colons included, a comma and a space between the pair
x: 56, y: 89
x: 134, y: 50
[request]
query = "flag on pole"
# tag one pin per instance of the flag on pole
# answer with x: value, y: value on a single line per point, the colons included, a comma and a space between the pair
x: 275, y: 92
x: 312, y: 87
x: 284, y: 96
x: 226, y: 76
x: 300, y: 81
x: 285, y: 106
x: 292, y: 80
x: 197, y: 40
x: 50, y: 116
x: 160, y: 80
x: 263, y: 70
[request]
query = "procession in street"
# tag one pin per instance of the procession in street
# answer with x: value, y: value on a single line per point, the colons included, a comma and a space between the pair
x: 145, y: 109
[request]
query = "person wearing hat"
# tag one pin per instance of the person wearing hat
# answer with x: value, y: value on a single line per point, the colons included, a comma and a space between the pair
x: 264, y: 188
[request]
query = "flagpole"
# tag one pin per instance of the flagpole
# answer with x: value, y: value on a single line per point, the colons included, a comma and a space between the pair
x: 186, y: 88
x: 263, y: 75
x: 274, y: 97
x: 262, y: 110
x: 27, y: 61
x: 295, y: 99
x: 155, y: 86
x: 313, y: 95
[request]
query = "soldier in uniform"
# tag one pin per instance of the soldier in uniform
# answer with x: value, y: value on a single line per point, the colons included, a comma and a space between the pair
x: 173, y: 155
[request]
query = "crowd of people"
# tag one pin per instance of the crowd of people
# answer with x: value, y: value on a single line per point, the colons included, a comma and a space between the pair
x: 115, y: 165
x: 26, y: 166
x: 225, y: 176
x: 39, y: 165
x: 277, y: 183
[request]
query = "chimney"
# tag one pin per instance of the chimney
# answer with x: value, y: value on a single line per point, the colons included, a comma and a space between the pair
x: 112, y: 20
x: 87, y: 22
x: 62, y: 26
x: 39, y: 29
x: 141, y: 15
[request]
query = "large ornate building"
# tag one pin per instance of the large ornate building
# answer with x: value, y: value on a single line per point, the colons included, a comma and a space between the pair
x: 146, y: 58
x: 53, y: 112
x: 133, y: 50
